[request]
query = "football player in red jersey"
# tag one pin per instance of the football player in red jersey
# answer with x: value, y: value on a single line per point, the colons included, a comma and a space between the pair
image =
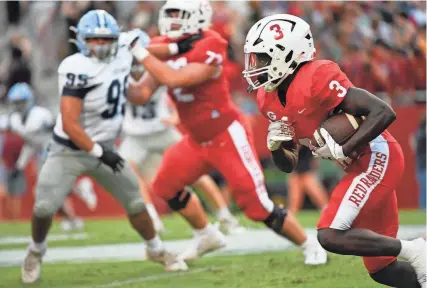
x: 217, y: 136
x: 297, y: 94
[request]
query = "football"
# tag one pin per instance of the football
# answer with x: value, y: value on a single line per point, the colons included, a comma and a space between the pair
x: 341, y: 127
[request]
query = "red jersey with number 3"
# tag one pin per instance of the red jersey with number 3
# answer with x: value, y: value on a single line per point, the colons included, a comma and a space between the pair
x: 205, y: 110
x: 318, y: 87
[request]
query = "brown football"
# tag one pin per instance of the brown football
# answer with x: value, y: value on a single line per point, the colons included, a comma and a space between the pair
x: 341, y: 127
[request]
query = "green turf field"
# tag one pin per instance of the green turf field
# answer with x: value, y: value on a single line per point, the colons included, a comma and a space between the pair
x: 119, y: 231
x: 268, y: 270
x: 273, y: 269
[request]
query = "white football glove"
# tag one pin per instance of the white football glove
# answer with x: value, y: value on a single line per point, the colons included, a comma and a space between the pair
x: 331, y: 150
x: 129, y: 37
x: 278, y: 132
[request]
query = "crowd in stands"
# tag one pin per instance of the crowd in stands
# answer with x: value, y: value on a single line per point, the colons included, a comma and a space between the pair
x: 380, y: 45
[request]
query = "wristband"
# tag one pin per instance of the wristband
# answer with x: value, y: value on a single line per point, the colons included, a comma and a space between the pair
x: 139, y: 52
x: 173, y: 49
x: 96, y: 150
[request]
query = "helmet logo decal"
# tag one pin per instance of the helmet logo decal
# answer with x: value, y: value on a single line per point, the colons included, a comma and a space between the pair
x: 279, y: 33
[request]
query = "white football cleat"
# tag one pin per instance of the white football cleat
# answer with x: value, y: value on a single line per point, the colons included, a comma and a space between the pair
x: 68, y: 225
x: 418, y: 260
x: 170, y: 261
x: 30, y: 270
x: 314, y: 253
x: 205, y: 244
x: 231, y: 226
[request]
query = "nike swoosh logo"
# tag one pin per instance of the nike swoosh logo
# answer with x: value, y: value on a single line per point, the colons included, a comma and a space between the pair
x: 300, y: 112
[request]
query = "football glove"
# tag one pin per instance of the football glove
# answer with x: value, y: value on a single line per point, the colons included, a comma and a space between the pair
x: 278, y: 132
x: 331, y: 149
x: 112, y: 159
x: 130, y: 38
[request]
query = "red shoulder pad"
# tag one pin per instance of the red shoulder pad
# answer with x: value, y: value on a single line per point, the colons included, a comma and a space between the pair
x: 212, y: 49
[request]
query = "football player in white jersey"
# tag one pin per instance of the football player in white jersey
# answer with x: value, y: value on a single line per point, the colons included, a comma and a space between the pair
x: 34, y: 125
x: 92, y: 85
x: 149, y: 130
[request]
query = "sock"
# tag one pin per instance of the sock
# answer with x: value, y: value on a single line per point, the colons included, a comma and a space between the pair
x: 223, y: 213
x: 407, y: 250
x: 38, y: 247
x: 152, y: 212
x: 308, y: 242
x: 204, y: 231
x: 155, y: 244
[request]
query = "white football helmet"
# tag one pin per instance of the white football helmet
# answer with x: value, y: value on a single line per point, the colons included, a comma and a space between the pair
x: 274, y: 48
x: 193, y: 15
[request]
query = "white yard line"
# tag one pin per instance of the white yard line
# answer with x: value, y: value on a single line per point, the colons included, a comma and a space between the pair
x: 167, y: 275
x: 51, y: 238
x: 249, y: 242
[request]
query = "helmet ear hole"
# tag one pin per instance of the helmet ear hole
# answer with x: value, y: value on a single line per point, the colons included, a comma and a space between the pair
x: 289, y: 56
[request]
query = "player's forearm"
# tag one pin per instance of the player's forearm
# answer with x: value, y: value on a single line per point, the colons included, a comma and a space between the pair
x: 77, y: 134
x: 285, y: 160
x: 161, y: 51
x: 141, y: 91
x: 378, y: 116
x: 139, y: 94
x: 164, y: 74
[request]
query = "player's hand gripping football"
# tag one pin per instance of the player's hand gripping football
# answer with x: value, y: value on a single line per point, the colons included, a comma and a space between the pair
x: 332, y: 150
x: 278, y: 132
x: 112, y: 159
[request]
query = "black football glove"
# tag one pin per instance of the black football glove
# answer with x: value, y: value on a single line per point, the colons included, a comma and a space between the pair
x: 15, y: 174
x: 112, y: 159
x: 186, y: 44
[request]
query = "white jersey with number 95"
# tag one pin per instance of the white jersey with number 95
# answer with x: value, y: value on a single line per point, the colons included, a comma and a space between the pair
x: 102, y: 86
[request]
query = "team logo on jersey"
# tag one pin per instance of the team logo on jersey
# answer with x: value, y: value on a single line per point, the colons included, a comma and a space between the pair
x: 271, y: 115
x: 214, y: 114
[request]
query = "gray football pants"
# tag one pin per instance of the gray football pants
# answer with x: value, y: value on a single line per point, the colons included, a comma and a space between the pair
x: 60, y: 170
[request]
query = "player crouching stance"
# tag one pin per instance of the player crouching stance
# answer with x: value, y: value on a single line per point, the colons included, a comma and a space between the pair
x: 297, y: 94
x: 217, y: 135
x: 93, y: 86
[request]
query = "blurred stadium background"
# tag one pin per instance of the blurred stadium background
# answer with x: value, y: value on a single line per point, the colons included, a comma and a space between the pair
x: 380, y: 45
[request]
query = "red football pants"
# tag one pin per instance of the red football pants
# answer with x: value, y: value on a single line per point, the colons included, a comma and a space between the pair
x: 366, y: 197
x: 231, y: 153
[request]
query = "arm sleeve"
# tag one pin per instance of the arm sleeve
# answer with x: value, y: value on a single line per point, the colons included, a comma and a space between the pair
x: 77, y: 92
x: 329, y: 86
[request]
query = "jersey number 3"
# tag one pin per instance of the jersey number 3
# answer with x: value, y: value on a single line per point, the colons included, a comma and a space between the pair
x: 335, y: 85
x: 115, y: 90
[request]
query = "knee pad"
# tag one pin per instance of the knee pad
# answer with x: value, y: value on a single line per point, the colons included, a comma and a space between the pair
x: 180, y: 200
x: 276, y: 219
x: 135, y: 206
x: 44, y: 209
